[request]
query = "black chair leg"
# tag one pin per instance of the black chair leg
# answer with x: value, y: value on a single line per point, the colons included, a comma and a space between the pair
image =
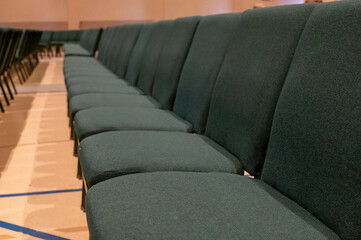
x: 20, y: 77
x: 12, y: 82
x: 83, y: 194
x: 7, y: 86
x: 4, y: 93
x: 2, y: 107
x: 79, y: 171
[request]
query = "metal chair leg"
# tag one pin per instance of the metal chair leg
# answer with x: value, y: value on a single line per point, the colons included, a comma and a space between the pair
x: 4, y: 93
x: 2, y: 107
x: 7, y: 86
x: 12, y: 82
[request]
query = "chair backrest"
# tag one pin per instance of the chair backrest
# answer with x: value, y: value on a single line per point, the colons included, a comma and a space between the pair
x: 314, y: 154
x: 251, y: 79
x: 172, y: 58
x: 151, y: 55
x: 137, y: 54
x: 129, y: 40
x: 45, y: 38
x: 104, y: 44
x: 115, y: 45
x: 90, y: 38
x: 202, y: 66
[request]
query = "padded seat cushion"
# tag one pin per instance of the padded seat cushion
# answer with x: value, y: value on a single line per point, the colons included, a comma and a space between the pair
x: 92, y: 100
x: 107, y: 155
x: 90, y: 66
x: 173, y: 205
x: 75, y: 50
x: 97, y: 80
x: 88, y: 72
x: 96, y: 120
x: 119, y: 87
x: 68, y: 60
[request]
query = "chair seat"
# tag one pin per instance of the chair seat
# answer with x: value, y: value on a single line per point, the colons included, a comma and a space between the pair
x: 72, y: 49
x: 91, y: 71
x: 86, y: 80
x: 92, y: 100
x: 107, y: 155
x: 70, y: 60
x: 103, y: 119
x: 113, y: 87
x: 175, y: 205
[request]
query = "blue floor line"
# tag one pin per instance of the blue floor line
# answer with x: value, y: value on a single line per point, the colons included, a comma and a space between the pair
x: 39, y: 193
x: 30, y: 231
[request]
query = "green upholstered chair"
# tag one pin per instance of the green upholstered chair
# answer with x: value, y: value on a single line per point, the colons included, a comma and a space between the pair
x: 87, y: 45
x: 310, y: 185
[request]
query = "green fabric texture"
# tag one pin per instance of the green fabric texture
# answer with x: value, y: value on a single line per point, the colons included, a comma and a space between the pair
x: 71, y: 49
x: 103, y: 42
x: 111, y: 61
x: 71, y: 61
x: 251, y: 79
x: 89, y: 39
x: 173, y: 205
x: 93, y: 80
x: 91, y: 100
x: 314, y: 151
x: 88, y: 72
x: 120, y: 87
x: 134, y: 64
x: 202, y: 66
x: 171, y: 60
x: 96, y: 120
x: 107, y: 155
x: 129, y: 34
x: 126, y: 47
x: 104, y: 52
x: 151, y: 55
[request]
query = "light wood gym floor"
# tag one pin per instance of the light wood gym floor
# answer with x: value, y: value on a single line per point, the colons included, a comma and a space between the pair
x: 39, y: 192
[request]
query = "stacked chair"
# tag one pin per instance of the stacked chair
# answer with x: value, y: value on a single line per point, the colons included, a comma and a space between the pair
x: 18, y: 52
x: 171, y: 114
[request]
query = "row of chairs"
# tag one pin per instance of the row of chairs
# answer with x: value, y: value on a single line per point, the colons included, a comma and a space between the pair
x: 81, y: 42
x: 55, y: 39
x: 18, y: 53
x: 171, y: 113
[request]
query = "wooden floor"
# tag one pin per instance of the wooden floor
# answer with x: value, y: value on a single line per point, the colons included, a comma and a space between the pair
x: 39, y: 192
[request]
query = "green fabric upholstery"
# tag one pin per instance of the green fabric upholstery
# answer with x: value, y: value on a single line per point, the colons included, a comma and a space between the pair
x: 90, y: 100
x: 73, y: 49
x: 133, y: 67
x: 126, y: 48
x: 96, y: 120
x: 137, y: 54
x: 93, y: 80
x: 202, y: 66
x: 251, y: 79
x: 171, y: 60
x: 86, y: 46
x: 88, y: 72
x: 125, y: 152
x: 208, y: 206
x: 155, y: 34
x: 71, y: 60
x: 89, y: 40
x: 314, y: 151
x: 112, y: 87
x: 115, y: 46
x: 104, y: 43
x: 200, y: 71
x: 151, y: 55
